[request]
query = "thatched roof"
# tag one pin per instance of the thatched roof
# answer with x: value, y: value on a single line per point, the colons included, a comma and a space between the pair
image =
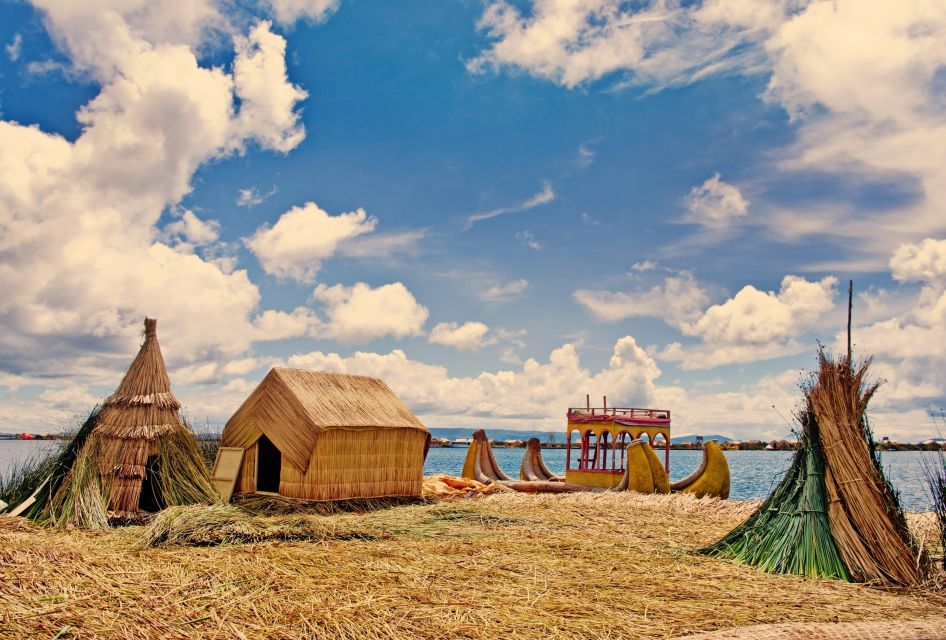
x: 142, y: 405
x: 292, y: 406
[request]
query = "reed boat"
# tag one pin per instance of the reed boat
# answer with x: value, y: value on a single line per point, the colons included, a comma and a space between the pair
x: 711, y: 478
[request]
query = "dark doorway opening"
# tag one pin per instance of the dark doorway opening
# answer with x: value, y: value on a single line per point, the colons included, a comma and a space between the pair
x: 152, y: 498
x: 268, y: 464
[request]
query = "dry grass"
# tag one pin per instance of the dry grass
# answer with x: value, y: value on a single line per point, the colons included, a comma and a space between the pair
x: 504, y: 566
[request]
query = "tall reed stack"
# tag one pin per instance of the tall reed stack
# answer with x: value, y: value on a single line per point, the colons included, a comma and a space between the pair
x: 133, y: 455
x: 834, y: 515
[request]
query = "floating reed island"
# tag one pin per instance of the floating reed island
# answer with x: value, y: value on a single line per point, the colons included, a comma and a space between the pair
x: 510, y: 565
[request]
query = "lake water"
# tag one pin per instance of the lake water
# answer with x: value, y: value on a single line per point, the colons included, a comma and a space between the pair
x: 753, y: 473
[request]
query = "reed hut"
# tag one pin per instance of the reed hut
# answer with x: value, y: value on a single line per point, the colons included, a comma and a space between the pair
x: 134, y: 454
x: 313, y: 435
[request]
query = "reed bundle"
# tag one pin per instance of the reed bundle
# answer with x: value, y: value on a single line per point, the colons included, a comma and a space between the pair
x: 864, y: 511
x: 834, y: 514
x: 557, y: 567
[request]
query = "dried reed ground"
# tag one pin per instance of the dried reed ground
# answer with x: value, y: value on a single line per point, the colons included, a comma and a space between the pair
x: 504, y: 566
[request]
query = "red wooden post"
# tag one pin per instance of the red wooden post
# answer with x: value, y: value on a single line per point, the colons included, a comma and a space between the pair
x: 568, y: 451
x: 667, y: 454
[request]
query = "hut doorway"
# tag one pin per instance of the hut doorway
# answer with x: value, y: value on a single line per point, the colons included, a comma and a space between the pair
x: 151, y: 498
x: 268, y: 465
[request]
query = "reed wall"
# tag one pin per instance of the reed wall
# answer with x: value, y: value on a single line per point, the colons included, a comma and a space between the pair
x: 359, y: 463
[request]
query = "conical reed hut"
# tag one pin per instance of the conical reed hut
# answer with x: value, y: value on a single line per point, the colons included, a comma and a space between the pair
x: 316, y: 435
x: 133, y: 455
x: 834, y: 514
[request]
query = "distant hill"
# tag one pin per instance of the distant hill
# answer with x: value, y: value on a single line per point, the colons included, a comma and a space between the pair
x: 455, y: 433
x: 687, y: 439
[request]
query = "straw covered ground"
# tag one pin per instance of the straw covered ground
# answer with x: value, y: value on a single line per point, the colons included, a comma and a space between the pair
x: 502, y: 566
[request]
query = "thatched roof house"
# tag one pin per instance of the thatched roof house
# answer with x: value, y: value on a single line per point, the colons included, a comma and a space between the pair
x: 133, y: 455
x: 327, y: 436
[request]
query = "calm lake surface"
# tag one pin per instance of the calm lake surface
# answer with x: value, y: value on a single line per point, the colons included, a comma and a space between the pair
x: 753, y: 473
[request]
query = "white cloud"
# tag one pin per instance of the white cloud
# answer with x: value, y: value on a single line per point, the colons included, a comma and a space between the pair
x: 679, y: 300
x: 83, y: 261
x: 274, y: 325
x: 506, y: 291
x: 908, y: 346
x: 573, y: 42
x: 757, y: 317
x: 267, y: 98
x: 384, y: 245
x: 289, y: 11
x: 755, y: 325
x: 303, y: 237
x: 586, y: 155
x: 14, y: 47
x: 536, y: 394
x: 251, y: 196
x: 924, y: 262
x: 861, y: 83
x: 191, y: 231
x: 545, y: 196
x: 361, y: 313
x: 715, y: 204
x: 528, y: 239
x: 470, y: 336
x: 589, y: 219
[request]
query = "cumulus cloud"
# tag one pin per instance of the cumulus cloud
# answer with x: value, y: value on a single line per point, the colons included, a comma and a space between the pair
x: 289, y: 11
x: 267, y: 98
x: 545, y: 196
x: 361, y: 313
x: 504, y: 291
x: 535, y: 395
x: 678, y: 300
x: 82, y: 259
x: 908, y: 346
x: 469, y: 336
x: 190, y: 231
x: 755, y: 325
x: 302, y: 238
x: 715, y: 204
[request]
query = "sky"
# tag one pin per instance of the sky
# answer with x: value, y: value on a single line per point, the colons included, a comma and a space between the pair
x: 497, y: 207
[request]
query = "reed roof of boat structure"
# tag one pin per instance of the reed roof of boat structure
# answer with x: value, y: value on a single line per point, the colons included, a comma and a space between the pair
x: 133, y: 454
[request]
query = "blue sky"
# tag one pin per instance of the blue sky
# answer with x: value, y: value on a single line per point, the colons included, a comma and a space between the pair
x: 495, y: 207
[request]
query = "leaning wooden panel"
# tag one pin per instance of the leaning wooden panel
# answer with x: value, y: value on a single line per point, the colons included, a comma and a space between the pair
x: 226, y: 469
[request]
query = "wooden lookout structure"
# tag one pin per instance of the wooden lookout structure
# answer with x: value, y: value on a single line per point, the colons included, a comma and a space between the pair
x: 603, y: 434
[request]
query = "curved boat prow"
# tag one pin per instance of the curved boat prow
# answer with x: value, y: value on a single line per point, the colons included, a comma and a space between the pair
x: 643, y: 472
x: 480, y: 463
x: 533, y: 467
x: 711, y: 478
